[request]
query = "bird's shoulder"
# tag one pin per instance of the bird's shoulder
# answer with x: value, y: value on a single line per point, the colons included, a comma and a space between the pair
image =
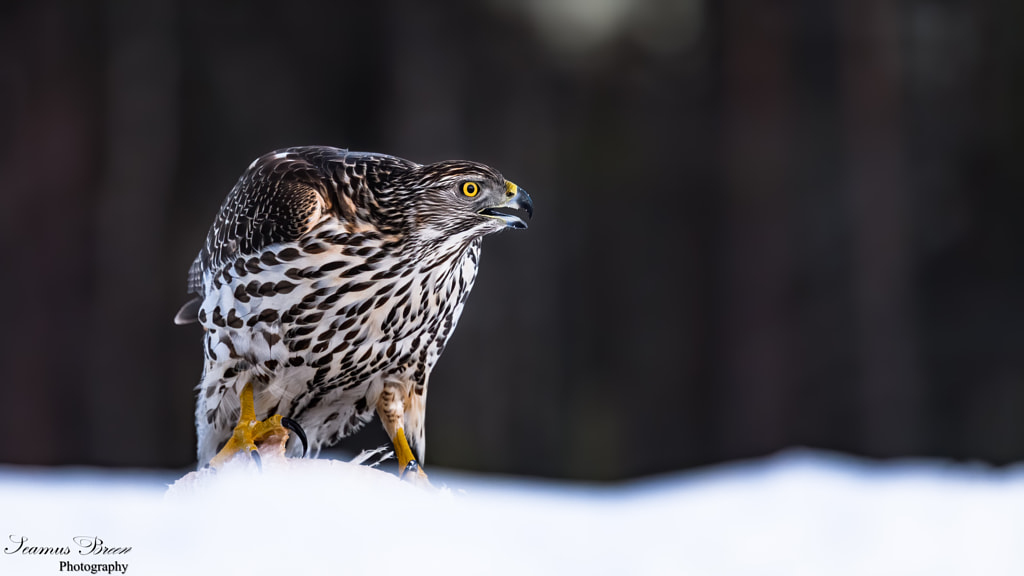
x: 284, y: 194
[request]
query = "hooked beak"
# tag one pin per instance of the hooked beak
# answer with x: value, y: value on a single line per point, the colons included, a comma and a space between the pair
x: 515, y: 198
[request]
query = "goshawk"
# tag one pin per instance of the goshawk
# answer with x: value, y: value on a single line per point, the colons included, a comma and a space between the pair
x: 328, y: 287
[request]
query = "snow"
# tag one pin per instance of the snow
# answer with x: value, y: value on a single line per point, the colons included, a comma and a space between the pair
x: 799, y: 512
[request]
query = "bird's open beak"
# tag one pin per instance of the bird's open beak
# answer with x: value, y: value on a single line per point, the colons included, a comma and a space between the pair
x: 515, y: 198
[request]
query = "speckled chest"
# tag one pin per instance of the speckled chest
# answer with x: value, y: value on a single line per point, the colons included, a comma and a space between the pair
x: 317, y: 322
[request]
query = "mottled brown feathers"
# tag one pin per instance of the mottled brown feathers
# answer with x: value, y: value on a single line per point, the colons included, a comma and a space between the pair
x: 329, y: 276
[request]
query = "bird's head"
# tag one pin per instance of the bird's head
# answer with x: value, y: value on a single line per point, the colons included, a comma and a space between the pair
x: 457, y: 199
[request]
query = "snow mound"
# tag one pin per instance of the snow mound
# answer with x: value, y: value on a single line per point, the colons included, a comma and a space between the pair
x: 800, y: 512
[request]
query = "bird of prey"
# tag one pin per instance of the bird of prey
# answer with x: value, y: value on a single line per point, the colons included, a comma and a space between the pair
x: 327, y: 289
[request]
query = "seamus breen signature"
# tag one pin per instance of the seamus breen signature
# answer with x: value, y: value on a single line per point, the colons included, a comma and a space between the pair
x: 84, y: 545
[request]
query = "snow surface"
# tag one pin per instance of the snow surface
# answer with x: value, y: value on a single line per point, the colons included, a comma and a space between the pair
x: 800, y: 512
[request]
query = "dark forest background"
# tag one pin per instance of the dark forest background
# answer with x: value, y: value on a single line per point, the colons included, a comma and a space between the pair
x: 759, y: 224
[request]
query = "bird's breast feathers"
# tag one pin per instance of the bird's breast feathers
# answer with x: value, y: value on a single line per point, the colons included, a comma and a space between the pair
x: 336, y: 310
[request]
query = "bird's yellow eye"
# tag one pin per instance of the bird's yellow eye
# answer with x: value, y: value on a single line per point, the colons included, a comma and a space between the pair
x: 470, y: 189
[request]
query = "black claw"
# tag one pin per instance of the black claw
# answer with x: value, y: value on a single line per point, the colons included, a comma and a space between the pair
x: 257, y: 459
x: 411, y: 468
x: 294, y: 427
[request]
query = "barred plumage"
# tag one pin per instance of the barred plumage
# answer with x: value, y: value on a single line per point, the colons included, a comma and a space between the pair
x: 331, y: 280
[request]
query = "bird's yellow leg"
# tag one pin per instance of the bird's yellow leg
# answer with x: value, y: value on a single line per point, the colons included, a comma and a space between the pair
x: 408, y: 467
x: 402, y: 450
x: 249, y: 430
x: 391, y: 409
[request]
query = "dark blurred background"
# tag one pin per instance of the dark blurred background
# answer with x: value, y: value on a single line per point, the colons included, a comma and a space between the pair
x: 759, y: 224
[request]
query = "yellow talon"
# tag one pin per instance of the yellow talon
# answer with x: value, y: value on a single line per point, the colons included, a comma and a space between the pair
x: 402, y: 450
x: 405, y: 456
x: 249, y: 430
